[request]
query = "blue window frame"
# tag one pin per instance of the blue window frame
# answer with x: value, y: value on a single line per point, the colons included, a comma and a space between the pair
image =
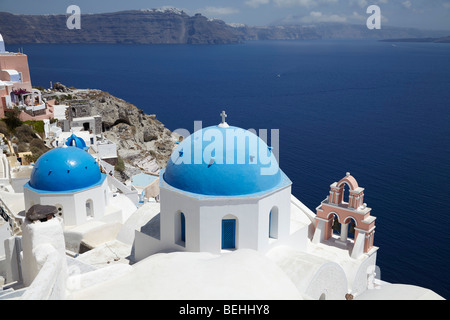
x: 228, y: 233
x: 183, y: 227
x: 273, y: 223
x: 270, y: 223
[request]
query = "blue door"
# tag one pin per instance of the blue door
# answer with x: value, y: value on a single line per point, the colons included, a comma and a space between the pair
x: 228, y: 233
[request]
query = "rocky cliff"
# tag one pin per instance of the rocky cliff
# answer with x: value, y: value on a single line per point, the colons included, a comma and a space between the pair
x: 143, y: 142
x: 329, y: 31
x: 134, y: 27
x: 293, y: 32
x: 173, y: 26
x: 428, y: 40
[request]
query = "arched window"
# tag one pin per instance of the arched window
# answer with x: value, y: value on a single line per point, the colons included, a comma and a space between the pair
x: 336, y: 225
x: 273, y: 223
x: 180, y: 228
x: 351, y: 228
x: 89, y: 209
x: 183, y: 227
x: 344, y: 192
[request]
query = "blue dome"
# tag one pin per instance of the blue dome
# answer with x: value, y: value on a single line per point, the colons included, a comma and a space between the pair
x: 223, y: 162
x: 75, y: 141
x: 65, y: 169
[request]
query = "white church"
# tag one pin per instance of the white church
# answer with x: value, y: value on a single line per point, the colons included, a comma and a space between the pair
x: 222, y: 200
x: 226, y: 227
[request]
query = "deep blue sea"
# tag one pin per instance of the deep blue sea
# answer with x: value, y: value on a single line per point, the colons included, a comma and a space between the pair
x: 378, y: 110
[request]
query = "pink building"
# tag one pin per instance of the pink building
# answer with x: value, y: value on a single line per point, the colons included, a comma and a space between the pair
x: 346, y: 219
x: 16, y: 89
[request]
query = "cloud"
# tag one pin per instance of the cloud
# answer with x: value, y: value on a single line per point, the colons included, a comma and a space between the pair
x: 291, y: 3
x: 317, y: 16
x: 256, y: 3
x: 359, y: 17
x: 366, y: 3
x: 218, y: 11
x: 356, y: 16
x: 407, y: 4
x: 360, y: 3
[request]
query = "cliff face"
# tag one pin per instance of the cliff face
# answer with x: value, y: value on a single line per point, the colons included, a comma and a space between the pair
x: 143, y: 142
x: 296, y: 32
x: 173, y: 26
x: 134, y: 27
x: 429, y: 40
x: 329, y: 31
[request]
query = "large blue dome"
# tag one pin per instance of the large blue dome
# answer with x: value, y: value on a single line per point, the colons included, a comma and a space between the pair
x: 220, y: 161
x: 65, y: 169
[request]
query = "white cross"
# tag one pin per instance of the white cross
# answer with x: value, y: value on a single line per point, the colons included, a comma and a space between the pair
x: 223, y: 115
x: 223, y: 124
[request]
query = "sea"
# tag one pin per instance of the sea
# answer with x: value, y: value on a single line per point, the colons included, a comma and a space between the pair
x: 378, y: 110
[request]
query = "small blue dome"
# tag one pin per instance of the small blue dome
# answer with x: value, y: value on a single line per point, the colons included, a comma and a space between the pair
x: 220, y: 161
x: 76, y: 141
x: 65, y: 169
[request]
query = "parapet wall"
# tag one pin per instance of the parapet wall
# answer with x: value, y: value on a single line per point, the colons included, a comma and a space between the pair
x: 50, y: 282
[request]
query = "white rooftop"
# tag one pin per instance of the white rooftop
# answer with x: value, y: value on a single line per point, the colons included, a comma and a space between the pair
x: 389, y: 291
x: 59, y: 111
x: 241, y: 274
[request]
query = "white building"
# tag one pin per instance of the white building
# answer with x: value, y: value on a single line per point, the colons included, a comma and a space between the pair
x: 225, y: 202
x: 74, y: 138
x: 226, y: 227
x: 70, y: 179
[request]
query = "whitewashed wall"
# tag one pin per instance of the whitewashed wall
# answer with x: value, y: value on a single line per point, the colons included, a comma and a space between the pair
x: 73, y: 204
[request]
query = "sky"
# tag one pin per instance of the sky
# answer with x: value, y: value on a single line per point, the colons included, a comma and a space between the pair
x: 422, y: 14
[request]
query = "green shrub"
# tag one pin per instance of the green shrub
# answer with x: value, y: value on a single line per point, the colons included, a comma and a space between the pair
x: 4, y: 128
x: 38, y: 125
x: 33, y: 157
x: 120, y: 166
x: 38, y: 146
x: 22, y: 147
x: 24, y: 133
x: 12, y: 120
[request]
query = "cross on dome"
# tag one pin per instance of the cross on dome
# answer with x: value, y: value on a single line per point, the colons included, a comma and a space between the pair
x: 223, y: 115
x: 223, y: 124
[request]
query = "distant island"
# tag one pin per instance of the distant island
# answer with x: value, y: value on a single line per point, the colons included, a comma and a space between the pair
x: 430, y: 40
x: 128, y: 27
x: 174, y: 26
